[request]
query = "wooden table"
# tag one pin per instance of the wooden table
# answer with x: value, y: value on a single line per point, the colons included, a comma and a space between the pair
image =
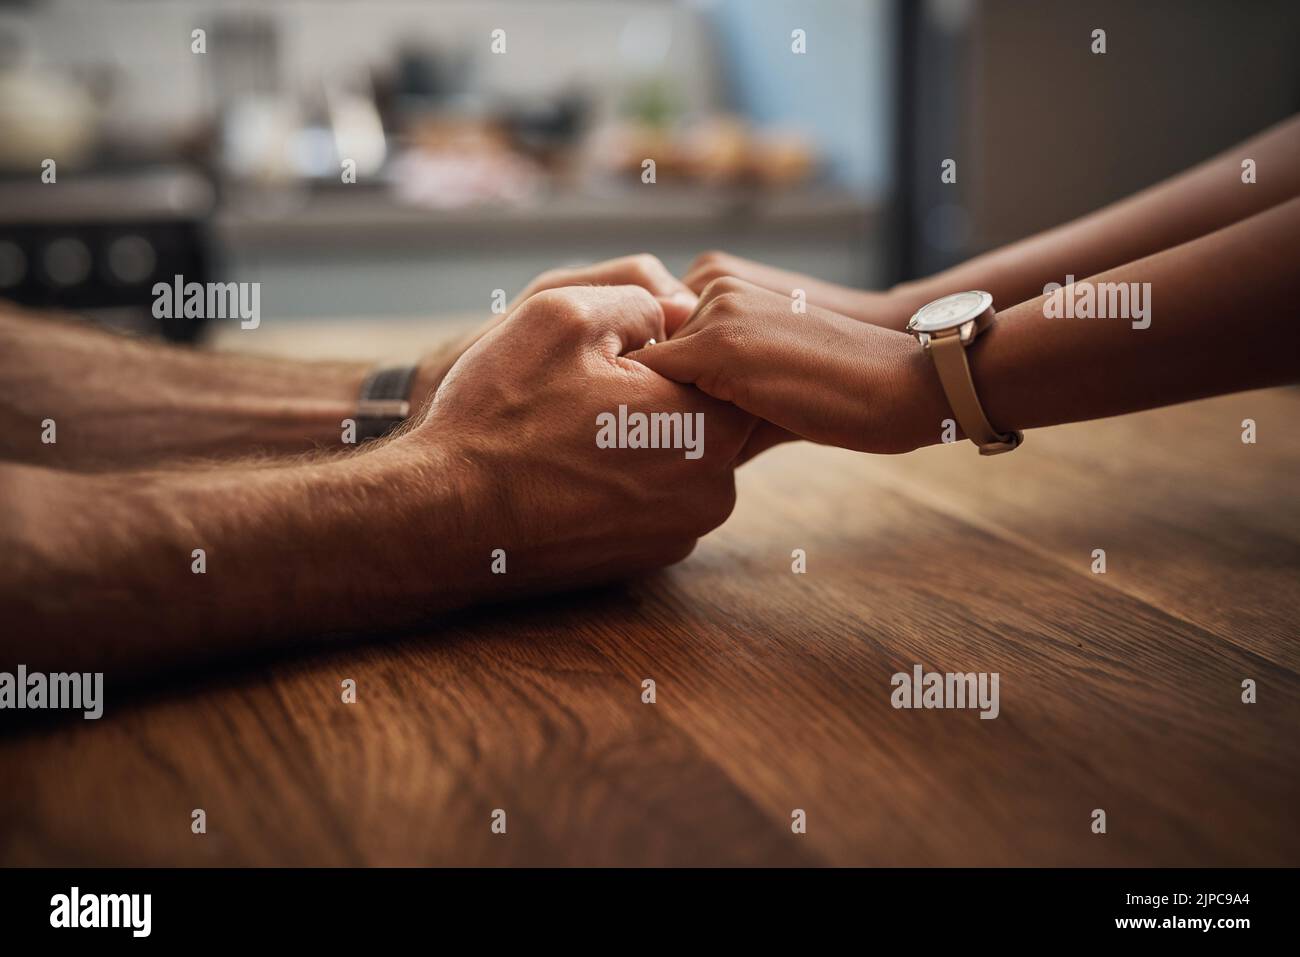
x: 1120, y: 691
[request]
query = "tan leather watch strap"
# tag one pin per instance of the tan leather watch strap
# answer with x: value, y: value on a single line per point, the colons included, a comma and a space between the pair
x: 949, y: 356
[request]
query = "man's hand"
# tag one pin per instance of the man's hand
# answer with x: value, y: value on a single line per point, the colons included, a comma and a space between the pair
x: 102, y: 571
x: 125, y: 402
x: 519, y: 414
x: 641, y: 270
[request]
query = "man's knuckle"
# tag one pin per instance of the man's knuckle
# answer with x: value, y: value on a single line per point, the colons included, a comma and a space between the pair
x: 714, y: 259
x: 558, y: 306
x: 647, y: 263
x: 547, y: 300
x: 639, y: 293
x: 651, y: 273
x: 551, y: 278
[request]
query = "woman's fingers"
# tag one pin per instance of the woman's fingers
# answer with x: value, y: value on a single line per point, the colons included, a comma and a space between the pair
x: 677, y: 309
x: 730, y: 315
x: 817, y: 374
x: 694, y: 360
x: 682, y: 360
x: 713, y: 265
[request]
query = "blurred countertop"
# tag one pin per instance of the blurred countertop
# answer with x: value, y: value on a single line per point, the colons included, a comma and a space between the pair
x: 347, y: 214
x: 358, y: 338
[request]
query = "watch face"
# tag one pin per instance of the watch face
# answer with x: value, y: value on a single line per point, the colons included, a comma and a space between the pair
x: 950, y: 311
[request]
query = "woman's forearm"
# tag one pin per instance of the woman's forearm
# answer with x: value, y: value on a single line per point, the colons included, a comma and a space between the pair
x: 1184, y: 207
x: 1223, y: 318
x: 1215, y: 315
x: 1192, y: 204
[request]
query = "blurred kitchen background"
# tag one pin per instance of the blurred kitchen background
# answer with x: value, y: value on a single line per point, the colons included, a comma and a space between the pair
x: 476, y: 170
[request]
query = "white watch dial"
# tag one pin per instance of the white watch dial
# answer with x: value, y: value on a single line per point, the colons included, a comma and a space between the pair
x: 950, y: 311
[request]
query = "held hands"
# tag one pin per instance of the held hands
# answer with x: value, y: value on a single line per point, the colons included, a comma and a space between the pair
x: 514, y: 411
x: 514, y: 425
x: 858, y: 382
x: 815, y: 374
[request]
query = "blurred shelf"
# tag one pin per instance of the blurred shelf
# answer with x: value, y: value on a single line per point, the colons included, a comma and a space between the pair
x: 78, y: 197
x: 346, y: 216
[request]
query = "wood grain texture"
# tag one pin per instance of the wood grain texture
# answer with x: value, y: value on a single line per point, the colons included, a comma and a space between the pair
x: 1119, y: 691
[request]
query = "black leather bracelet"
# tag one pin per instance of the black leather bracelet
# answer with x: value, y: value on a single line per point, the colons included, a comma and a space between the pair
x: 385, y: 401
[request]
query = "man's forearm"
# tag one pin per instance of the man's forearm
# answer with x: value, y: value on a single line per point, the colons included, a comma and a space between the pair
x: 131, y: 572
x: 112, y: 401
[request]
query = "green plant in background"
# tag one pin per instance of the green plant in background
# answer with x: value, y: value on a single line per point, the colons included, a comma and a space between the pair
x: 654, y: 102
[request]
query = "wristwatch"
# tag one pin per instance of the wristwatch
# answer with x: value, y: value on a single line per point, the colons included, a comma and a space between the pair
x: 946, y: 328
x: 384, y: 403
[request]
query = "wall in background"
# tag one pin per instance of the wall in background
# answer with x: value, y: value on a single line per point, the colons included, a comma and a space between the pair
x: 840, y: 92
x: 1055, y: 131
x: 147, y: 39
x: 731, y: 53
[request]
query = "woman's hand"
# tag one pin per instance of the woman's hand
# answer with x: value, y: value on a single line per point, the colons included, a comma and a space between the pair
x: 877, y: 308
x: 815, y: 375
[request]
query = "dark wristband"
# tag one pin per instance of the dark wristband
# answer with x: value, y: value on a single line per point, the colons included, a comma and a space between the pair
x: 385, y: 401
